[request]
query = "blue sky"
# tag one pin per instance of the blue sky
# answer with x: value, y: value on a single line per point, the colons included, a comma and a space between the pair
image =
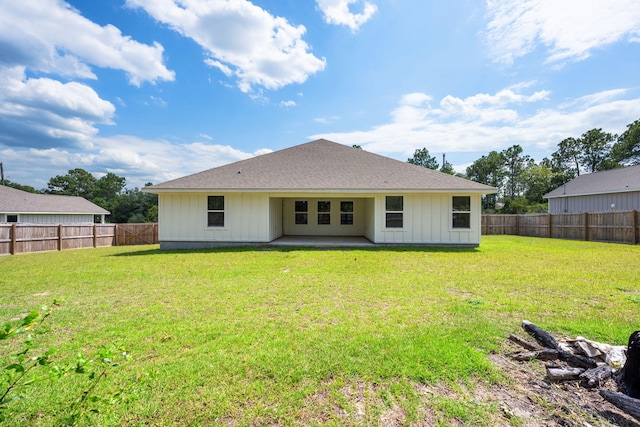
x: 157, y: 89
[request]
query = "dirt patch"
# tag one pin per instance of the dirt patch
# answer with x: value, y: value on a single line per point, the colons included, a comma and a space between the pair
x: 532, y: 399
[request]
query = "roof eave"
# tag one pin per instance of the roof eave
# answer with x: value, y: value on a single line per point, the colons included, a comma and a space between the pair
x: 321, y: 191
x: 596, y: 193
x: 18, y: 212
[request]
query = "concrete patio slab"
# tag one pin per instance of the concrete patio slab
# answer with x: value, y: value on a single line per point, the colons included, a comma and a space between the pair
x: 323, y: 241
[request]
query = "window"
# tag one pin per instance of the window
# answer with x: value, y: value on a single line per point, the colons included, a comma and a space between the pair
x: 12, y: 218
x: 394, y: 211
x: 324, y: 213
x: 461, y: 212
x: 215, y: 211
x: 346, y: 213
x: 301, y: 212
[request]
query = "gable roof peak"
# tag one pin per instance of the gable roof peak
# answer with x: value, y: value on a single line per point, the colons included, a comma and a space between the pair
x: 320, y: 165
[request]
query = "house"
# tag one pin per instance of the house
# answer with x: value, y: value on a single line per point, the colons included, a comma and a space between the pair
x: 610, y: 190
x: 320, y: 188
x: 23, y: 207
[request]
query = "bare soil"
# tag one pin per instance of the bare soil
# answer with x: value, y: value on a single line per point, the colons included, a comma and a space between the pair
x: 533, y: 400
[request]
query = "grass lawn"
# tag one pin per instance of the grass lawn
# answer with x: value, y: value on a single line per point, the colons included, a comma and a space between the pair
x: 250, y: 336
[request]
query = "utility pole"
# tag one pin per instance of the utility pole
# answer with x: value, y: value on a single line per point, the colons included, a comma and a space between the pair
x: 1, y: 174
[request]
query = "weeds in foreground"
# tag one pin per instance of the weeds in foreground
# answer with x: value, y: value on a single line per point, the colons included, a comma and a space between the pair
x: 29, y: 368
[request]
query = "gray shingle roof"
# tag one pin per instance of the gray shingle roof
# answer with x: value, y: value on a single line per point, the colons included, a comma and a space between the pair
x: 321, y: 165
x: 611, y: 181
x: 15, y: 201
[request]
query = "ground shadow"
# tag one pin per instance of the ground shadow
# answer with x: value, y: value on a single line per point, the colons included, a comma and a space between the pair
x: 285, y: 249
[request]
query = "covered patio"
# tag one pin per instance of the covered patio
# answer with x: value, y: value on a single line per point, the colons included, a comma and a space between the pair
x: 324, y: 241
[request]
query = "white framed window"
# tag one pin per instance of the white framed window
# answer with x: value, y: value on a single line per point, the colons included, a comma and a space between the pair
x: 215, y: 211
x: 394, y: 211
x: 324, y: 212
x: 346, y: 213
x: 12, y: 218
x: 301, y: 212
x: 461, y: 212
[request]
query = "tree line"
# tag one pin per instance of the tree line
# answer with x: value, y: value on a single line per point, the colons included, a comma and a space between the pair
x: 108, y: 192
x: 522, y: 182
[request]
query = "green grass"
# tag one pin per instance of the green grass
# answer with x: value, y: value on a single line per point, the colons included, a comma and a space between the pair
x: 251, y: 336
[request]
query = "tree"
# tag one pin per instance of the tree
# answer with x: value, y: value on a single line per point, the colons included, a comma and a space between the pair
x: 447, y: 168
x: 422, y: 158
x: 135, y: 206
x: 108, y: 192
x: 77, y: 182
x: 515, y: 163
x: 559, y: 175
x: 627, y: 148
x: 27, y: 188
x: 538, y: 181
x: 109, y: 186
x: 489, y: 170
x: 595, y: 150
x: 568, y: 155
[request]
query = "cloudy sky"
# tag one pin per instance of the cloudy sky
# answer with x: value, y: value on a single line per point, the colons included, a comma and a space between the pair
x: 156, y: 89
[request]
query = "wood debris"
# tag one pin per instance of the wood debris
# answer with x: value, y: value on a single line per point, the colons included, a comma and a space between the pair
x: 587, y: 363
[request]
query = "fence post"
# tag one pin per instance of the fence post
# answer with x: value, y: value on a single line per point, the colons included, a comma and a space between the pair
x: 636, y: 232
x: 549, y: 229
x: 95, y: 236
x: 14, y: 238
x: 115, y: 235
x: 517, y: 225
x: 586, y: 226
x: 59, y: 237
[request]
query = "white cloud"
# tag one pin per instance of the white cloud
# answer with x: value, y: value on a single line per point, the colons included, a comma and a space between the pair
x: 568, y: 29
x: 139, y: 160
x: 338, y: 12
x: 486, y: 122
x: 326, y: 120
x: 40, y: 111
x: 52, y: 37
x: 289, y: 103
x: 242, y: 39
x: 157, y: 161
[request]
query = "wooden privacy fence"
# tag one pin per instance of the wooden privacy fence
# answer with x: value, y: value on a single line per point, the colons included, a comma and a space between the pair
x: 618, y: 227
x: 19, y: 238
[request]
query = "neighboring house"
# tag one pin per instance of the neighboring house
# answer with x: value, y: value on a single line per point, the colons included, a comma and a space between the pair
x: 23, y: 207
x: 611, y: 190
x: 320, y: 188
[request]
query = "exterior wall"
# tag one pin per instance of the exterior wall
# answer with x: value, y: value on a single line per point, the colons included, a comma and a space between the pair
x: 370, y: 219
x: 263, y: 217
x: 182, y: 217
x: 275, y: 218
x: 427, y: 219
x: 596, y: 203
x: 312, y: 228
x: 50, y: 219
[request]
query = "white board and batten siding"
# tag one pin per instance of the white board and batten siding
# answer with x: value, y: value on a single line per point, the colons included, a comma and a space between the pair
x: 428, y: 219
x: 264, y: 217
x: 183, y: 217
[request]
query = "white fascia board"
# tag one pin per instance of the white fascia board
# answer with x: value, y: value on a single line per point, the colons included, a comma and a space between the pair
x: 321, y: 191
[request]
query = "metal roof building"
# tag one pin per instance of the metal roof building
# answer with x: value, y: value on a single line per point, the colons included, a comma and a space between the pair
x: 611, y: 190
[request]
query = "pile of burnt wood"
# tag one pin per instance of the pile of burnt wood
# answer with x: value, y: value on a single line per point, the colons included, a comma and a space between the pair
x: 588, y: 362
